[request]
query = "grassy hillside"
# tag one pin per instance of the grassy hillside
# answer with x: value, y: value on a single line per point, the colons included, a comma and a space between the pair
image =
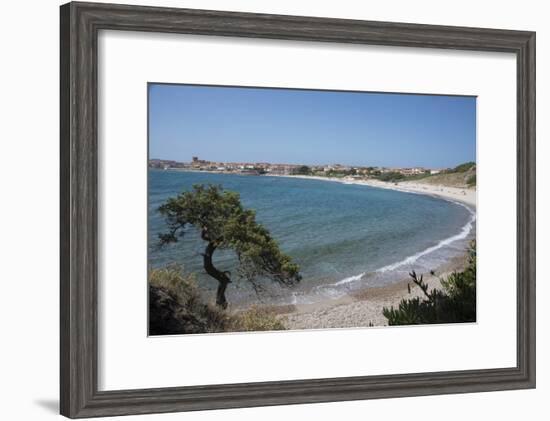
x: 176, y: 307
x: 463, y: 176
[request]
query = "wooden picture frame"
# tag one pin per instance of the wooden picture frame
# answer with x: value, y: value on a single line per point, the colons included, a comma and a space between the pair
x: 80, y: 24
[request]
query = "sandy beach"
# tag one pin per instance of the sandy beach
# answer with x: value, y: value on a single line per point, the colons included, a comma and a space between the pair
x: 464, y: 195
x: 364, y: 308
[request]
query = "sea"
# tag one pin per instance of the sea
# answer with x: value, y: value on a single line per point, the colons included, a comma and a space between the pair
x: 345, y: 237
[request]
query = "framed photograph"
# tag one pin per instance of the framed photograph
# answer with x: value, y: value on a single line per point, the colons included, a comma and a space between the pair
x: 266, y: 210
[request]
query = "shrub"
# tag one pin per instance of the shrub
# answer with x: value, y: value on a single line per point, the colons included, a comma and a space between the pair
x: 176, y: 307
x: 256, y: 319
x: 454, y: 304
x: 471, y: 181
x: 302, y: 170
x: 390, y: 176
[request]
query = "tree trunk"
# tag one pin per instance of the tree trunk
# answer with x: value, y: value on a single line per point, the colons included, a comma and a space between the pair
x: 220, y: 294
x: 222, y: 277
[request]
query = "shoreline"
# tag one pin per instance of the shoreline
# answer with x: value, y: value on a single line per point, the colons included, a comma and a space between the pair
x: 463, y: 195
x: 363, y: 308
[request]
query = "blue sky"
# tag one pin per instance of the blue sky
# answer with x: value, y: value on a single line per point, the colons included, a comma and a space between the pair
x: 232, y: 124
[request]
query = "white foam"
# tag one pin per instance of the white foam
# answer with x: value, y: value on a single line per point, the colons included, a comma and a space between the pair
x: 460, y: 236
x: 332, y: 290
x: 464, y: 232
x: 350, y: 279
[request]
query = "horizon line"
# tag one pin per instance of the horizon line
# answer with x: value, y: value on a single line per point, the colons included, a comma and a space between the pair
x: 317, y: 165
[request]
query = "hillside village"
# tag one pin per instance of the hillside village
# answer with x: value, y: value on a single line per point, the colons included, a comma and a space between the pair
x: 463, y: 175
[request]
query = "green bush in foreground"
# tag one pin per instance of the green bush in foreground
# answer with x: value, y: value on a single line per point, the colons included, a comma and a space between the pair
x: 454, y: 304
x: 176, y: 307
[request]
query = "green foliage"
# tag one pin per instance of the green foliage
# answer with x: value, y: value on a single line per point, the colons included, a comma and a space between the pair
x: 260, y: 170
x: 334, y: 173
x: 176, y: 307
x: 390, y: 176
x: 338, y: 172
x: 471, y: 181
x: 172, y: 278
x: 302, y: 170
x: 223, y: 223
x: 420, y: 176
x: 456, y: 303
x: 463, y: 167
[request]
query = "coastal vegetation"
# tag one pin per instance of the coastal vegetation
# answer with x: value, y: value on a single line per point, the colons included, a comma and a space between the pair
x: 223, y: 223
x: 176, y: 307
x: 391, y: 176
x: 303, y: 170
x: 455, y: 303
x: 185, y: 302
x: 461, y: 168
x: 462, y: 176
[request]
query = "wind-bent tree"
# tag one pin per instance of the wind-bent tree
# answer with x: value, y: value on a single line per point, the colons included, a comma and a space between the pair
x: 223, y: 223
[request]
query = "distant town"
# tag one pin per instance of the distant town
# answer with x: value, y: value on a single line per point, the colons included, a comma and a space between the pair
x: 266, y: 168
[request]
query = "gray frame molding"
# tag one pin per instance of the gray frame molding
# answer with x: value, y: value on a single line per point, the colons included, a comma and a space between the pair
x: 80, y: 23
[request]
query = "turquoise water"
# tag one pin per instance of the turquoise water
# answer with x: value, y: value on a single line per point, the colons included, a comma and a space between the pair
x: 343, y: 236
